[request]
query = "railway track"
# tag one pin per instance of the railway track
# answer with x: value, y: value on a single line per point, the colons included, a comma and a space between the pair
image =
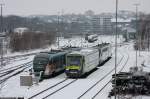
x: 7, y: 60
x: 111, y: 79
x: 4, y: 71
x: 60, y: 89
x: 47, y: 93
x: 99, y: 80
x: 17, y: 56
x: 5, y: 75
x: 57, y: 87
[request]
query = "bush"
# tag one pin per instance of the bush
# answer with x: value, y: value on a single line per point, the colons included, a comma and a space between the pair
x: 30, y: 40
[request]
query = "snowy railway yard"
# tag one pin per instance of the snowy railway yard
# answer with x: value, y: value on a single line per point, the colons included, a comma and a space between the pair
x: 95, y: 86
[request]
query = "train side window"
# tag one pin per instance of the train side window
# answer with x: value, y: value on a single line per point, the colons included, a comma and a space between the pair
x: 61, y: 61
x: 64, y: 59
x: 58, y: 61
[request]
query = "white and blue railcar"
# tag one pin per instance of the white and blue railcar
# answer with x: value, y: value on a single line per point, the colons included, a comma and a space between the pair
x: 92, y: 38
x: 105, y: 52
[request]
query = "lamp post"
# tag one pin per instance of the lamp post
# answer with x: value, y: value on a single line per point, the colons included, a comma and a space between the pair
x: 137, y: 34
x: 58, y: 30
x: 2, y: 35
x: 116, y: 45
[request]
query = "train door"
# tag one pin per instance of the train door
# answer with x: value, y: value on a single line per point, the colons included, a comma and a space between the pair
x: 105, y: 53
x: 100, y: 56
x: 52, y: 65
x: 82, y: 60
x: 55, y: 62
x: 58, y: 62
x: 48, y: 69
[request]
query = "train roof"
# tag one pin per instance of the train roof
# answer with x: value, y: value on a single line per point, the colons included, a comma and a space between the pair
x: 50, y: 54
x: 71, y: 48
x: 84, y: 51
x: 91, y: 36
x: 102, y: 45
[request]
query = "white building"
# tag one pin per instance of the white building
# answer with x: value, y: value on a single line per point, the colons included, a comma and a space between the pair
x: 20, y: 30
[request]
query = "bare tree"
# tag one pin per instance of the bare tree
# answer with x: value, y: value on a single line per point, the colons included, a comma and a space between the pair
x: 144, y: 27
x: 30, y: 40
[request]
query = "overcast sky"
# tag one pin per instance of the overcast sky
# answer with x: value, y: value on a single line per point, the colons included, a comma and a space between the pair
x: 40, y: 7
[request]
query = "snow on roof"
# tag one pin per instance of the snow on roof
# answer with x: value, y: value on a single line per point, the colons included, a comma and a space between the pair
x: 20, y: 29
x: 91, y: 36
x: 25, y: 73
x: 139, y: 73
x: 129, y: 29
x: 120, y: 20
x: 84, y: 51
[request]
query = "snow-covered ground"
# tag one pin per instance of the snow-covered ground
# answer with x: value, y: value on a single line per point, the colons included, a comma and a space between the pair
x: 12, y: 88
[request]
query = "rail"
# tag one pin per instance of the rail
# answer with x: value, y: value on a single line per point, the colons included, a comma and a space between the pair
x: 110, y: 79
x: 100, y: 80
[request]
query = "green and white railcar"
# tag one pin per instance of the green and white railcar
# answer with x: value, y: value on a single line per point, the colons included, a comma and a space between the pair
x: 81, y: 62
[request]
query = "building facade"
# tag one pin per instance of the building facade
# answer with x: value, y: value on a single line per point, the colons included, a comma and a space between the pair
x: 102, y: 24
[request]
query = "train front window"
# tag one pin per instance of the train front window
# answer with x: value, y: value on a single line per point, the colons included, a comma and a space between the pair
x: 40, y: 61
x: 74, y: 60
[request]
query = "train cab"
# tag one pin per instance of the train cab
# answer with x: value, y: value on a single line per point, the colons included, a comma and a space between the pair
x: 74, y: 65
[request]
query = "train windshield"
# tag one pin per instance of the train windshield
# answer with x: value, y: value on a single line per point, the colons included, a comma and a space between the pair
x: 74, y: 60
x: 40, y: 61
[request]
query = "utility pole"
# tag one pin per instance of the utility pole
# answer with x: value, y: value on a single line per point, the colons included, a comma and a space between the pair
x: 148, y: 31
x: 1, y: 34
x: 62, y: 23
x: 1, y: 17
x: 58, y: 29
x: 116, y: 46
x: 137, y: 34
